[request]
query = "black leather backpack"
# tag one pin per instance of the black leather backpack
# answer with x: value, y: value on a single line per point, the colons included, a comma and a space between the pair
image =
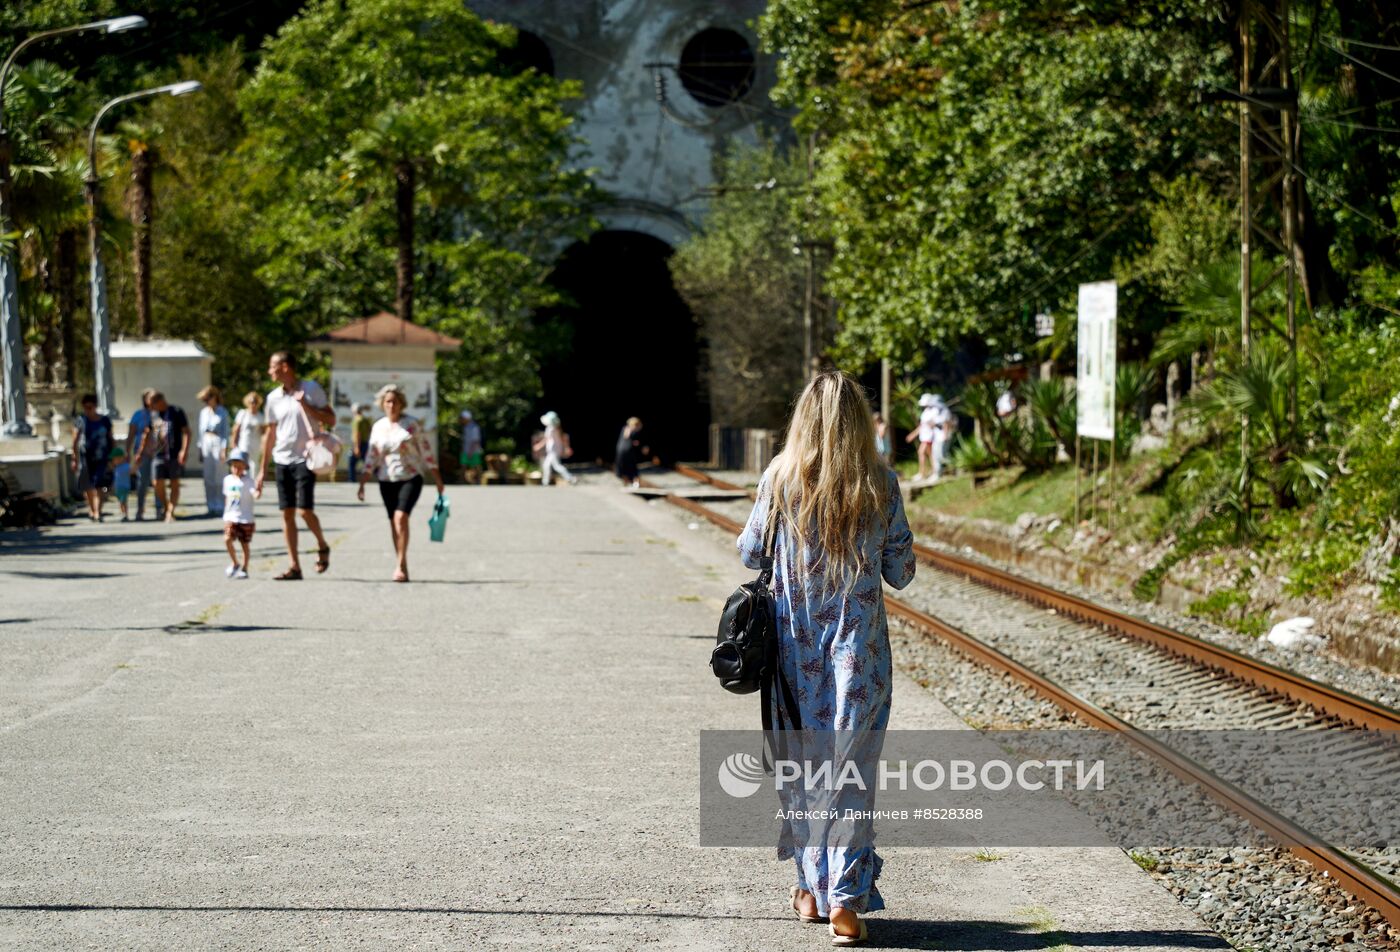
x: 745, y: 657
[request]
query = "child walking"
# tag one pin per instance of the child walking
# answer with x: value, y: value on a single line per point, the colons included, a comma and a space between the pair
x: 238, y: 512
x: 121, y: 478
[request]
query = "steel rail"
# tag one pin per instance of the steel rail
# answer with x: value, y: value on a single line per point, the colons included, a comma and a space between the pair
x: 1356, y: 878
x: 1346, y: 707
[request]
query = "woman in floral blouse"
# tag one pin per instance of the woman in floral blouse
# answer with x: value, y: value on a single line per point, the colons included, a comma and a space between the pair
x: 399, y: 455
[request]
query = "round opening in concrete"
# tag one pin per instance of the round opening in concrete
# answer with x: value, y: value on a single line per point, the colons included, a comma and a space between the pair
x: 717, y: 67
x: 529, y: 52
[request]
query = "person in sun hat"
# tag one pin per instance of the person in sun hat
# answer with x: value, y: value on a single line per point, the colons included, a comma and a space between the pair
x: 554, y: 443
x: 931, y: 432
x: 239, y: 496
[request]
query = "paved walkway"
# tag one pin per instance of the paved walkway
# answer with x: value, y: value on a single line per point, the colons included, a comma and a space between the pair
x: 500, y: 754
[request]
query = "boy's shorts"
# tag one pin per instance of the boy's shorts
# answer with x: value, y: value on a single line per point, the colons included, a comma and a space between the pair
x: 238, y: 532
x: 122, y: 494
x: 472, y: 460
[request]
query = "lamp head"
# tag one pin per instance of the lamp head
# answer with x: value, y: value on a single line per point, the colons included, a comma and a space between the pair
x: 184, y: 88
x: 120, y: 24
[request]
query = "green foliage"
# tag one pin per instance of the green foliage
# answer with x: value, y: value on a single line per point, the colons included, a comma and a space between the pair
x: 1258, y: 389
x: 1132, y: 384
x: 904, y: 401
x: 1193, y: 225
x: 971, y: 455
x: 205, y: 283
x: 1053, y: 402
x: 1230, y: 607
x: 344, y: 93
x: 980, y: 158
x: 744, y: 282
x: 1030, y: 443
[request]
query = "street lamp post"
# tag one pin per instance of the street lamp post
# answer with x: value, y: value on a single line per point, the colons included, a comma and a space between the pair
x: 101, y: 329
x: 12, y: 403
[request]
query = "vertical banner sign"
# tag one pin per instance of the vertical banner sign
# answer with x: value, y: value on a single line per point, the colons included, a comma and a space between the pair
x: 1098, y: 358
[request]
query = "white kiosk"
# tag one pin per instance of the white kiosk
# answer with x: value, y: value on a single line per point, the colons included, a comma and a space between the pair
x: 374, y: 351
x: 177, y: 368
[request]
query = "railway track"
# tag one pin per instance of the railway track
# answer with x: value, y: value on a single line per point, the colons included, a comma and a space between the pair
x: 1143, y: 676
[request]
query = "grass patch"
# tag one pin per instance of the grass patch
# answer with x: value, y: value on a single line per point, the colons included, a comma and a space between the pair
x: 1148, y: 863
x: 1004, y: 494
x: 1229, y: 608
x: 689, y: 598
x: 1043, y: 921
x: 985, y: 855
x: 209, y: 614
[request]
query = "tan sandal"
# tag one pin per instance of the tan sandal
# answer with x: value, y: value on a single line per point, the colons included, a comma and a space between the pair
x: 792, y: 893
x: 841, y: 941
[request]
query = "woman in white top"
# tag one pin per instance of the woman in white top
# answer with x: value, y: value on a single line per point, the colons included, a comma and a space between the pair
x: 931, y: 434
x: 399, y: 455
x: 248, y: 428
x: 554, y: 443
x: 213, y: 446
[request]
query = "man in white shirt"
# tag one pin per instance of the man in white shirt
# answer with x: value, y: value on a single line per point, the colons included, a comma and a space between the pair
x: 290, y: 408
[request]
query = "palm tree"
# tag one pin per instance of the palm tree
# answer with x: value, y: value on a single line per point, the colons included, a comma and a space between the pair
x: 403, y: 141
x: 46, y: 205
x: 1257, y: 389
x: 141, y: 206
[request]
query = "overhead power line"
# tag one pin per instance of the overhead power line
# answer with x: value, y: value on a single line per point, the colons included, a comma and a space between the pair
x: 1361, y: 62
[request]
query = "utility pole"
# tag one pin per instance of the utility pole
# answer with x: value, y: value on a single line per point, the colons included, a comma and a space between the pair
x: 1269, y: 199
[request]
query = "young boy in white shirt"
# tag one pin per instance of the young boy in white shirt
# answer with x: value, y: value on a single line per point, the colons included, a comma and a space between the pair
x: 238, y: 512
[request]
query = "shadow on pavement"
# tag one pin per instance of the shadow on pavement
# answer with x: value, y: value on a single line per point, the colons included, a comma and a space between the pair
x: 31, y: 540
x: 330, y: 577
x: 62, y: 575
x: 1014, y: 936
x: 884, y: 934
x: 195, y: 627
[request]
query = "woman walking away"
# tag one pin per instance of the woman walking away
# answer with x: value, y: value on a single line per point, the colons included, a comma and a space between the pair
x: 92, y: 454
x: 248, y: 427
x: 399, y: 455
x: 629, y: 453
x: 554, y: 442
x: 213, y: 447
x: 833, y: 511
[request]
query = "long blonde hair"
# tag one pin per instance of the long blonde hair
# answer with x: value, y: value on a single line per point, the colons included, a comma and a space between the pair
x: 829, y: 483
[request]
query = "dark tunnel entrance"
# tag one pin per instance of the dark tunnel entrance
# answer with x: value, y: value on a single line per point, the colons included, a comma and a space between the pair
x: 627, y: 346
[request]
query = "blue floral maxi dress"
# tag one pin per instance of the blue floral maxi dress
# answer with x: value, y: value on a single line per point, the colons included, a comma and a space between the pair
x: 834, y: 648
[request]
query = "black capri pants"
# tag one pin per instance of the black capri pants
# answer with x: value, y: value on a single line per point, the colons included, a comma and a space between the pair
x: 400, y: 497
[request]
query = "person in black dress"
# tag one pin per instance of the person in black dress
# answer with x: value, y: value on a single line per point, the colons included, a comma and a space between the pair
x: 92, y: 455
x: 630, y: 452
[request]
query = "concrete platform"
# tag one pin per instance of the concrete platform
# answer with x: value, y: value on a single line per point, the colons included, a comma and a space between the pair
x: 501, y: 753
